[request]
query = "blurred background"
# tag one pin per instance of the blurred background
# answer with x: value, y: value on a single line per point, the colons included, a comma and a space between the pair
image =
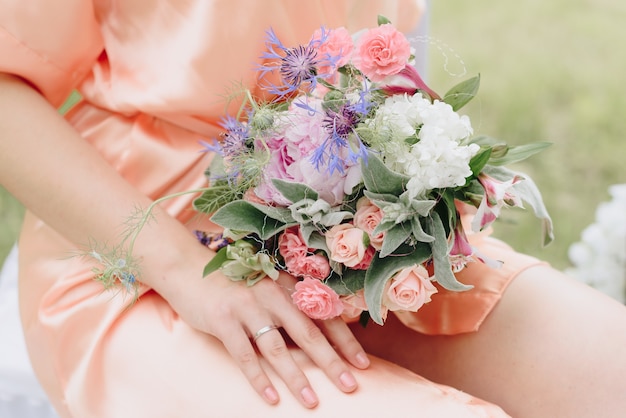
x: 551, y: 71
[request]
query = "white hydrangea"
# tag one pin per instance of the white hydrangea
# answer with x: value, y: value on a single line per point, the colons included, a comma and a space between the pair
x: 437, y: 163
x: 399, y: 117
x: 438, y: 159
x: 599, y: 258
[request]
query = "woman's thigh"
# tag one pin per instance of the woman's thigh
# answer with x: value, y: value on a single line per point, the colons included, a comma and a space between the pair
x: 153, y: 365
x: 551, y: 347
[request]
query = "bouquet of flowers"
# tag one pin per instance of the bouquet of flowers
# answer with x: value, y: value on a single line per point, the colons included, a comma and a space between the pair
x: 352, y: 177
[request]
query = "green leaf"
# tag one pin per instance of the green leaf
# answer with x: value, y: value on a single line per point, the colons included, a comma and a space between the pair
x: 394, y: 237
x: 378, y: 178
x: 381, y: 270
x: 459, y: 95
x: 215, y: 197
x: 216, y: 262
x: 294, y: 192
x: 265, y: 221
x: 382, y: 20
x: 441, y: 260
x: 348, y: 283
x: 519, y: 153
x: 479, y: 161
x: 418, y: 231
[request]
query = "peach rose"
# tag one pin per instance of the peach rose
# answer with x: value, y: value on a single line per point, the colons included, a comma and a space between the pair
x: 409, y: 289
x: 353, y: 305
x: 367, y: 218
x: 367, y: 259
x: 315, y: 266
x: 346, y: 244
x: 317, y: 300
x: 381, y: 52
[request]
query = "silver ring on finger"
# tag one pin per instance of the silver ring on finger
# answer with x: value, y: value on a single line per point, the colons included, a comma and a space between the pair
x: 264, y: 330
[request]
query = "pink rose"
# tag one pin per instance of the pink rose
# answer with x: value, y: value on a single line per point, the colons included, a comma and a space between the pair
x: 367, y: 259
x: 317, y: 300
x: 381, y: 52
x: 291, y: 245
x: 346, y: 244
x: 409, y: 289
x: 314, y: 266
x: 367, y: 218
x: 338, y: 45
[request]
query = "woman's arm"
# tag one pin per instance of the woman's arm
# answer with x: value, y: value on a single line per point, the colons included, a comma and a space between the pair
x: 63, y: 180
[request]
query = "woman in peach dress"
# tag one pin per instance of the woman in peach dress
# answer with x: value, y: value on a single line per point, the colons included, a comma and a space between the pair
x: 153, y: 75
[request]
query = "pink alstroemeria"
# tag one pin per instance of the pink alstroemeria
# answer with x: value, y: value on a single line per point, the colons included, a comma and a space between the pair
x: 497, y: 194
x: 407, y: 81
x: 461, y: 251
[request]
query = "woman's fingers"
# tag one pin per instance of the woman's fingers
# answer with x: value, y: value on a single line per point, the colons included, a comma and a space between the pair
x: 242, y: 351
x: 310, y: 338
x: 340, y: 335
x: 253, y: 321
x: 272, y: 346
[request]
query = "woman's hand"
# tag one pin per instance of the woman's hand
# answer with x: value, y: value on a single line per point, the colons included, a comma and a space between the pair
x: 172, y: 260
x: 234, y: 313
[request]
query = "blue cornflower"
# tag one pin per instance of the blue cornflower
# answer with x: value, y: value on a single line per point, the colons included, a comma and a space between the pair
x: 340, y: 126
x: 297, y: 66
x: 235, y: 137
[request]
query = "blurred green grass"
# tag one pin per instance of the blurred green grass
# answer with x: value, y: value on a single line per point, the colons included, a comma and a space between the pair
x: 551, y: 71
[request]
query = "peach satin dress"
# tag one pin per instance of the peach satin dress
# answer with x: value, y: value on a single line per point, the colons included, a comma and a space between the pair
x: 154, y: 74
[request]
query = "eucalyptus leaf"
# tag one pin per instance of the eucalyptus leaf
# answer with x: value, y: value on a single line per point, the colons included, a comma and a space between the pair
x: 418, y: 231
x: 348, y: 283
x: 293, y: 191
x: 443, y: 269
x: 317, y: 241
x: 395, y: 237
x: 378, y: 178
x: 459, y: 95
x: 383, y: 269
x: 241, y: 215
x: 379, y: 198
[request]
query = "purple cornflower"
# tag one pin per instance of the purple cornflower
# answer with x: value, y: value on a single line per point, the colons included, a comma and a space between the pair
x: 297, y: 66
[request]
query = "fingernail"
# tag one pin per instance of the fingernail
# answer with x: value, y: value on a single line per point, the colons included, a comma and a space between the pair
x: 308, y: 396
x: 270, y: 394
x: 347, y: 380
x: 362, y: 359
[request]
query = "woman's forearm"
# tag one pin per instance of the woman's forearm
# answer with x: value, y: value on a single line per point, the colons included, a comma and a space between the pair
x: 63, y: 180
